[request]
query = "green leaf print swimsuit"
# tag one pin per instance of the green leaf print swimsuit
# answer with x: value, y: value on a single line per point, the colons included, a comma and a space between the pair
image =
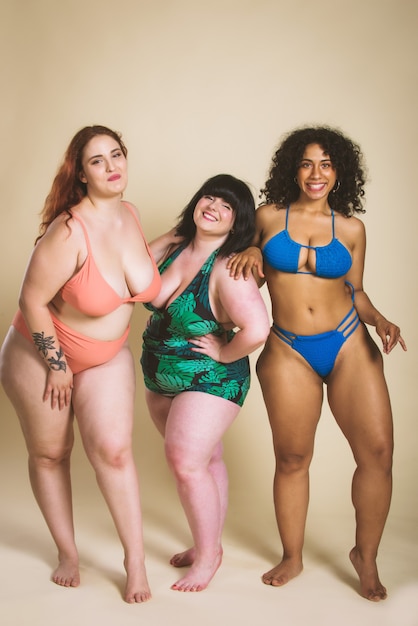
x: 168, y: 363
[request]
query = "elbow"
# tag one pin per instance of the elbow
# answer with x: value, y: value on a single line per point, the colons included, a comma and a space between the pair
x: 262, y: 333
x: 28, y: 303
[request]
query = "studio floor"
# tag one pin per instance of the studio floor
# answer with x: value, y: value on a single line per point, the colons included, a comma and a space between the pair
x: 326, y: 594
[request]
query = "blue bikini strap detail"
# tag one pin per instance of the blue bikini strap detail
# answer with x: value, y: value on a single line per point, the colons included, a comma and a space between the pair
x: 283, y: 334
x: 333, y: 225
x: 287, y: 217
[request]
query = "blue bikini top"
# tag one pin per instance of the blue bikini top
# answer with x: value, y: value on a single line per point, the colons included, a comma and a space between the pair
x: 282, y: 253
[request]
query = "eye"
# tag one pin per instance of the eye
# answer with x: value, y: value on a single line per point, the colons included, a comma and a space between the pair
x: 117, y: 154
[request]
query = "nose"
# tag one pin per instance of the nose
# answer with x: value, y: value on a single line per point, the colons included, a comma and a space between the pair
x: 110, y: 166
x: 315, y: 173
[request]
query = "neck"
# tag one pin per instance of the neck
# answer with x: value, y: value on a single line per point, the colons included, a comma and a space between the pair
x: 205, y: 245
x: 104, y: 205
x: 313, y: 206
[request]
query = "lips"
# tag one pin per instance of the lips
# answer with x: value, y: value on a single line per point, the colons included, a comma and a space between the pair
x: 114, y: 177
x: 316, y: 186
x: 209, y: 216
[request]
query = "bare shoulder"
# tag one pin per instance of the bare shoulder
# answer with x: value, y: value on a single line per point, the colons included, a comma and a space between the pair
x: 223, y: 280
x: 132, y: 208
x: 64, y: 229
x: 351, y: 228
x: 270, y: 219
x: 268, y: 211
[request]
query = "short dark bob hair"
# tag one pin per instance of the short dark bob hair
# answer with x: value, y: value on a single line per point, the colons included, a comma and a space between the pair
x: 236, y: 193
x: 345, y: 155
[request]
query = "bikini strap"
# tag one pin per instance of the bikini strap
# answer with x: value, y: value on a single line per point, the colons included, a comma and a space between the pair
x: 287, y: 216
x: 83, y: 226
x: 137, y: 220
x: 333, y: 224
x: 168, y: 261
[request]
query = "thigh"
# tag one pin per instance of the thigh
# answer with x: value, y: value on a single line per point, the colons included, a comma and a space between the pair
x: 23, y: 374
x: 103, y: 399
x: 196, y: 424
x: 359, y: 398
x: 158, y: 407
x: 293, y: 395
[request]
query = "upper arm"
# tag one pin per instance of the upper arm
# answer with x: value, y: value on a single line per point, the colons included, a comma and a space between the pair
x: 241, y: 302
x: 260, y: 218
x: 357, y: 236
x: 52, y: 263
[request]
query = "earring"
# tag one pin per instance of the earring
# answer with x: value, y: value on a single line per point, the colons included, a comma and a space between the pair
x: 337, y: 186
x: 295, y: 180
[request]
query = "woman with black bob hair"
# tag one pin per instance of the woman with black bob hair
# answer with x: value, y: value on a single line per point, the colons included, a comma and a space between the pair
x: 313, y: 249
x: 236, y: 193
x: 195, y: 366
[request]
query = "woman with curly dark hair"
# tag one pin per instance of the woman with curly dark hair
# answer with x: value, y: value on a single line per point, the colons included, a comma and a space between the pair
x: 313, y: 251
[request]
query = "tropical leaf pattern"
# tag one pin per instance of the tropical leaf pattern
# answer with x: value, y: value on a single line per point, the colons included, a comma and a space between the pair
x: 168, y: 363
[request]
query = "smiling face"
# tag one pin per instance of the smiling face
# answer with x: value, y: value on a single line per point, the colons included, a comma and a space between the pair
x: 104, y: 167
x: 316, y: 176
x: 213, y: 215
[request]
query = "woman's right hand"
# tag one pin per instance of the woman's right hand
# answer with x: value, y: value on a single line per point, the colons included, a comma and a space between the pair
x: 244, y: 262
x: 58, y: 388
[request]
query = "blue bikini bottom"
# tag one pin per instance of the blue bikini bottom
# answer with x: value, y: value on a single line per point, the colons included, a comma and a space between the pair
x: 321, y: 350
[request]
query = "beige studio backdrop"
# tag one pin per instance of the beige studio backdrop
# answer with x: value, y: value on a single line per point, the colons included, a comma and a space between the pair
x: 199, y: 88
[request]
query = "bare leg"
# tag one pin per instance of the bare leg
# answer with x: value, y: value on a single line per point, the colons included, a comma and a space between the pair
x: 159, y: 407
x: 219, y: 474
x: 194, y: 428
x: 359, y: 399
x: 104, y: 405
x: 49, y: 439
x: 293, y: 396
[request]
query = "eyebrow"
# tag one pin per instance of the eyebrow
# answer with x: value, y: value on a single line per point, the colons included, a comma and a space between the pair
x: 95, y: 156
x: 311, y: 160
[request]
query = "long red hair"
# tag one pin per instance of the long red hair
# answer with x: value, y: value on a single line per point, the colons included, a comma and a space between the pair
x: 67, y: 189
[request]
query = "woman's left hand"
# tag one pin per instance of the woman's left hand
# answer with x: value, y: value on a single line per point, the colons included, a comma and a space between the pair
x: 390, y: 334
x: 211, y: 345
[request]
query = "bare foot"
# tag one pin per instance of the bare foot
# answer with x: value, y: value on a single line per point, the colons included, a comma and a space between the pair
x: 370, y: 586
x: 283, y: 572
x: 183, y: 559
x: 199, y: 576
x: 137, y: 588
x: 67, y: 573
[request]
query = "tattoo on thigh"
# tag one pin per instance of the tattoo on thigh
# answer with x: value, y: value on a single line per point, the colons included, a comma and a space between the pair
x: 44, y: 344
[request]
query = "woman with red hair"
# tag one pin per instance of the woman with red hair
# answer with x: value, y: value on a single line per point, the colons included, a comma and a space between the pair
x: 66, y: 352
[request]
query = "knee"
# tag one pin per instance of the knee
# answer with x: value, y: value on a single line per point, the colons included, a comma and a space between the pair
x: 50, y: 457
x: 379, y: 456
x: 111, y: 454
x: 291, y: 462
x: 180, y: 464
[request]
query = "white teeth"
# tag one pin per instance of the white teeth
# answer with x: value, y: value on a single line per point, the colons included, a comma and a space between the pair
x: 209, y: 216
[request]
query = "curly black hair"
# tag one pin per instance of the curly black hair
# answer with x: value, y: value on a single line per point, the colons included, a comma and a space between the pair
x: 236, y: 193
x: 345, y: 155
